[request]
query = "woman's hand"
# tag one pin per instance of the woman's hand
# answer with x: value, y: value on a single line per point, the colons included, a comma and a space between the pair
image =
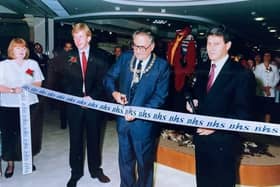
x: 17, y: 90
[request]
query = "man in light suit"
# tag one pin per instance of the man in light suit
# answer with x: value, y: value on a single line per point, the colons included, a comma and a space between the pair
x: 83, y: 74
x: 142, y: 80
x: 227, y: 91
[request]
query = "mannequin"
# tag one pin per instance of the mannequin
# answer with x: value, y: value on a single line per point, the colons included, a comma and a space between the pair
x: 182, y: 57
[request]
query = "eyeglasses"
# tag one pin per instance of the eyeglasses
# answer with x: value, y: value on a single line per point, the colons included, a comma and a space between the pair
x: 141, y: 48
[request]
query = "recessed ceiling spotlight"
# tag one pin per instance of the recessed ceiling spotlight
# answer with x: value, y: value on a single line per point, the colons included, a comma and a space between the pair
x: 201, y: 33
x: 140, y: 9
x: 117, y: 8
x: 278, y: 37
x: 259, y: 18
x: 272, y: 30
x: 253, y: 13
x: 159, y: 21
x: 169, y: 24
x: 163, y: 10
x: 110, y: 33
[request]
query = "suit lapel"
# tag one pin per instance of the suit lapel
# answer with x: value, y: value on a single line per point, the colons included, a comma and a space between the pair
x: 90, y: 67
x: 78, y: 69
x: 129, y: 74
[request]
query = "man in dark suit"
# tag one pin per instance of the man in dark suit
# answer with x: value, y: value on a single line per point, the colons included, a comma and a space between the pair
x: 42, y: 59
x: 224, y: 90
x: 55, y: 75
x: 83, y: 74
x: 142, y: 80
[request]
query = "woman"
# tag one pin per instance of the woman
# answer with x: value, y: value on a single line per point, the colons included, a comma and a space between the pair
x: 15, y: 72
x: 267, y: 74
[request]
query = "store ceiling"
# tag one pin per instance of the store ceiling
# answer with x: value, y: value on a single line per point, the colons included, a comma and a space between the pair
x: 163, y: 16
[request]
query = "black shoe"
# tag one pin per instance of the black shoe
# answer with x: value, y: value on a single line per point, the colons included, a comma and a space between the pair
x: 33, y: 168
x: 101, y: 177
x: 9, y: 171
x: 72, y: 182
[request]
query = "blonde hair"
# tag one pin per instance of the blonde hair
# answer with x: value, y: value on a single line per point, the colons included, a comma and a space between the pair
x: 17, y: 42
x: 81, y: 27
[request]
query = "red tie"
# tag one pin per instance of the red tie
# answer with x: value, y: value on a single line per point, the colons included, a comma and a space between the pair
x: 211, y: 77
x: 84, y: 64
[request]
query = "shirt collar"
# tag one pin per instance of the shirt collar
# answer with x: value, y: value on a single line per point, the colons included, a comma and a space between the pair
x: 86, y: 51
x: 144, y: 62
x: 220, y: 63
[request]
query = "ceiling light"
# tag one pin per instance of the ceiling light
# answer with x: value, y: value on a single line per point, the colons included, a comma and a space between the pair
x: 117, y: 8
x: 159, y: 21
x: 259, y: 18
x: 201, y: 33
x: 264, y: 23
x: 272, y: 30
x: 140, y: 9
x: 253, y: 13
x: 278, y: 37
x: 163, y: 10
x: 173, y: 3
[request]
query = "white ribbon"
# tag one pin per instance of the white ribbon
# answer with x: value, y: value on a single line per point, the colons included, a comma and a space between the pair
x: 25, y: 132
x: 163, y: 116
x: 156, y: 115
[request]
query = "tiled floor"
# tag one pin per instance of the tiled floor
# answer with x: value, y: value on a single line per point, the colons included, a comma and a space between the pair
x: 53, y: 169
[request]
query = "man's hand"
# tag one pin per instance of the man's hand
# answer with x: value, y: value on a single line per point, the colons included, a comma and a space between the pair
x: 120, y: 98
x: 267, y: 90
x: 88, y: 98
x: 188, y: 106
x: 129, y: 117
x: 202, y: 131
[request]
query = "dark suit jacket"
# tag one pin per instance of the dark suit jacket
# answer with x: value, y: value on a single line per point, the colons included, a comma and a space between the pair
x: 43, y: 62
x: 56, y: 72
x: 151, y: 92
x: 97, y: 66
x: 230, y: 96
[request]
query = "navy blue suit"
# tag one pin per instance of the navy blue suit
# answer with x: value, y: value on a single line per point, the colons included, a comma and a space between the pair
x: 137, y: 138
x: 230, y: 96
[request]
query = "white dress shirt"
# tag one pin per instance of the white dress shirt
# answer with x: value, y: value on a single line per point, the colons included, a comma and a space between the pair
x: 81, y: 63
x: 219, y: 65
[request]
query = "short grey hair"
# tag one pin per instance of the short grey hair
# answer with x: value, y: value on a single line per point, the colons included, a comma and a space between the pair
x: 146, y: 32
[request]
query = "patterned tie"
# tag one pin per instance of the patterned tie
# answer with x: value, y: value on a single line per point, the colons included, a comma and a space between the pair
x: 84, y: 64
x: 134, y: 84
x: 211, y: 77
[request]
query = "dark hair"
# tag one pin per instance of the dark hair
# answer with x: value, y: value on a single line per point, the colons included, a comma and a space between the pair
x: 220, y: 31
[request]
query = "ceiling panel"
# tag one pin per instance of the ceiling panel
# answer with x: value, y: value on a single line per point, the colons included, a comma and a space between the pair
x: 239, y: 16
